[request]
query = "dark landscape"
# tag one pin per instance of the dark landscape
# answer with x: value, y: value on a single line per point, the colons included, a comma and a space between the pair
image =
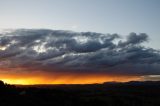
x: 79, y: 52
x: 132, y: 93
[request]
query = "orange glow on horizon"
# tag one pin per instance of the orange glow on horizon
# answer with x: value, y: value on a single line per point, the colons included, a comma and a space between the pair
x: 29, y: 78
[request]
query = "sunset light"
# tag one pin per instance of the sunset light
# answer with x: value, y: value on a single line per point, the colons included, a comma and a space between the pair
x: 79, y: 52
x: 61, y: 78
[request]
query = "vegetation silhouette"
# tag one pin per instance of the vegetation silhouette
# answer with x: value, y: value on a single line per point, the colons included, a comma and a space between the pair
x: 2, y: 85
x: 107, y: 94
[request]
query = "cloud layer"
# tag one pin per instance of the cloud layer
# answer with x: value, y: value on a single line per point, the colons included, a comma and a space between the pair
x: 59, y: 50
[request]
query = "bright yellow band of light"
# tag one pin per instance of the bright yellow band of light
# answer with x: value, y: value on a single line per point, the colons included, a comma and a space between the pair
x: 60, y: 78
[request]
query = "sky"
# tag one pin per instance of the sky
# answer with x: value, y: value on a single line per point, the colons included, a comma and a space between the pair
x: 104, y: 16
x: 101, y: 40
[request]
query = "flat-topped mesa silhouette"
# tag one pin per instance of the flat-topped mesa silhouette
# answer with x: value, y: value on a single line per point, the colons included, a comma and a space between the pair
x: 134, y: 83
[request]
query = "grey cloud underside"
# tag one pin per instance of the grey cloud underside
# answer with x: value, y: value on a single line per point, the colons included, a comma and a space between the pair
x: 61, y: 50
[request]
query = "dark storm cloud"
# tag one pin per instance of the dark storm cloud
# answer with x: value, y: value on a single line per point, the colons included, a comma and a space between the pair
x: 134, y: 39
x: 60, y: 50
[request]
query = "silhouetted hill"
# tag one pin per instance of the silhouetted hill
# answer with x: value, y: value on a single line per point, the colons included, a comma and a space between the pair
x: 108, y: 94
x: 134, y: 83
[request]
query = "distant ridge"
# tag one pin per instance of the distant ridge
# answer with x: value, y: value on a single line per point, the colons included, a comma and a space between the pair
x: 130, y: 83
x: 133, y: 83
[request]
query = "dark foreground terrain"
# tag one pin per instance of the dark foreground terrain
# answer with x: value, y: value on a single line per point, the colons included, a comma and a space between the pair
x: 107, y: 94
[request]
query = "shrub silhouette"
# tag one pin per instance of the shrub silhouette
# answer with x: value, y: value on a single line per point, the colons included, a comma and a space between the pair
x: 2, y: 85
